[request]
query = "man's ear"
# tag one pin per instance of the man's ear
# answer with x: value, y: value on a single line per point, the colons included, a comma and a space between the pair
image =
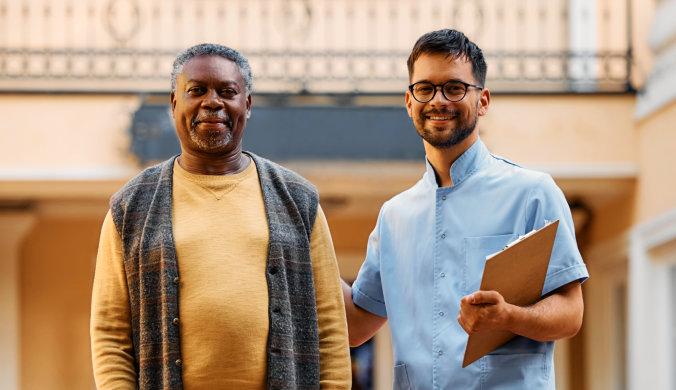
x: 172, y: 97
x: 407, y: 99
x: 484, y: 102
x: 248, y: 107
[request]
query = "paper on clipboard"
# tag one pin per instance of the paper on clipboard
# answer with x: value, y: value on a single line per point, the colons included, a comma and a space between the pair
x: 518, y: 273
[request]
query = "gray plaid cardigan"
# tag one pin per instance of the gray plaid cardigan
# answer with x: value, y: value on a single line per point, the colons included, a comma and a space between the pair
x: 142, y: 214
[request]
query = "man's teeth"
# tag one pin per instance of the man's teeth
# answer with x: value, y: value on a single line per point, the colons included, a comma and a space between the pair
x: 440, y: 118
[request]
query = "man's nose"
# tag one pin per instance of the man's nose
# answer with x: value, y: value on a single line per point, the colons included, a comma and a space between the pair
x: 439, y: 99
x: 212, y: 100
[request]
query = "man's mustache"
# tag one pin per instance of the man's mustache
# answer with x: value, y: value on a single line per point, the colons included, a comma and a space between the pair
x: 211, y: 116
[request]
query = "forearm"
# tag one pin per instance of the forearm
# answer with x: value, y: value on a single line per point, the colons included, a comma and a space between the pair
x: 361, y: 324
x: 110, y: 327
x: 335, y: 367
x: 112, y: 361
x: 350, y: 314
x: 334, y: 353
x: 558, y: 316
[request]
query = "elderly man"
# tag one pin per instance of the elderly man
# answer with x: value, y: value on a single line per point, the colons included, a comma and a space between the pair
x: 427, y: 252
x: 215, y: 268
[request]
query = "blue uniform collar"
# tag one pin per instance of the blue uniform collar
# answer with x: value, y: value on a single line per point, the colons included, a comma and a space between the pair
x: 468, y: 163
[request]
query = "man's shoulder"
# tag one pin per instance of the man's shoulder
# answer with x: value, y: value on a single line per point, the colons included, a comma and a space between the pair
x: 518, y: 174
x: 150, y: 176
x: 402, y: 201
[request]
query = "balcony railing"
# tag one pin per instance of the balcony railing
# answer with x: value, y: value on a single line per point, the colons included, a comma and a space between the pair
x: 315, y: 46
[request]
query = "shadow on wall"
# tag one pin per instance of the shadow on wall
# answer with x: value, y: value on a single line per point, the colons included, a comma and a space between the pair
x: 293, y: 133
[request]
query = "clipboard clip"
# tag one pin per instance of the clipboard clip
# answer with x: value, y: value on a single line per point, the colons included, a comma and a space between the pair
x: 520, y: 238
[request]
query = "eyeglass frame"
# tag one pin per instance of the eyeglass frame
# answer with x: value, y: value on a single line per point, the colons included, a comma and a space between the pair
x: 467, y: 85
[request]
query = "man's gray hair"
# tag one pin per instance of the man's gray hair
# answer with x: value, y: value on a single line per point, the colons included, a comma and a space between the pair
x: 212, y: 49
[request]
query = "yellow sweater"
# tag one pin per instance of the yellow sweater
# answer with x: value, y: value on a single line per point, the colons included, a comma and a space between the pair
x: 221, y: 239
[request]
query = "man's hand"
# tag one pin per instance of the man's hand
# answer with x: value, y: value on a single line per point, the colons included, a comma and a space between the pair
x: 484, y: 311
x: 554, y: 317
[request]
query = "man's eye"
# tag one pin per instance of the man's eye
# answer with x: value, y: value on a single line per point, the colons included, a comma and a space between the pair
x: 425, y: 89
x: 195, y: 90
x: 455, y: 88
x: 228, y: 92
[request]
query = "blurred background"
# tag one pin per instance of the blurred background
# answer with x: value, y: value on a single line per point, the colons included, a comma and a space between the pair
x: 582, y: 89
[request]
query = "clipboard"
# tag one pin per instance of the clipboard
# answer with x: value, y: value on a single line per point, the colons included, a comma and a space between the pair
x: 518, y: 273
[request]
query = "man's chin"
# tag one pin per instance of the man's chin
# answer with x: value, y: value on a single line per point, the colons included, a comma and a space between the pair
x: 211, y: 141
x: 212, y: 145
x: 445, y: 141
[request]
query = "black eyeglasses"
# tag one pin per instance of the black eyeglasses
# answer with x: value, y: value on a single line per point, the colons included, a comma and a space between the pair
x: 453, y: 90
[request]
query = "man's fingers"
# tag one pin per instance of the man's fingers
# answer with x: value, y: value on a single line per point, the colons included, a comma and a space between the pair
x: 462, y: 324
x: 484, y: 297
x: 467, y: 299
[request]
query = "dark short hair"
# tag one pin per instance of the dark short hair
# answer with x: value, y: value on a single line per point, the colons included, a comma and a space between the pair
x: 452, y: 43
x: 212, y: 49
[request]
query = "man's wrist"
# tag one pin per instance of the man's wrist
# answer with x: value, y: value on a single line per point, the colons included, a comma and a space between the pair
x: 512, y: 313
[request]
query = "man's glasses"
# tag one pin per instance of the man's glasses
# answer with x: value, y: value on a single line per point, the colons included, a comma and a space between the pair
x: 453, y: 90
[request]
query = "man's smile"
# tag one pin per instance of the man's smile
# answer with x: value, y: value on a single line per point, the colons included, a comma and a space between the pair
x: 211, y: 121
x: 441, y: 115
x: 440, y: 118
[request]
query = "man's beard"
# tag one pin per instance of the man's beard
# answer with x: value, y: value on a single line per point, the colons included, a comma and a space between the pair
x: 210, y: 140
x: 457, y: 135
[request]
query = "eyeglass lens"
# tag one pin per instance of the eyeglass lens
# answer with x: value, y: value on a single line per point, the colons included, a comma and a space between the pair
x: 452, y: 90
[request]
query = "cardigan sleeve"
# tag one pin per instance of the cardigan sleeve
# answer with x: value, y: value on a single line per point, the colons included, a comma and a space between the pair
x: 334, y: 351
x: 110, y: 326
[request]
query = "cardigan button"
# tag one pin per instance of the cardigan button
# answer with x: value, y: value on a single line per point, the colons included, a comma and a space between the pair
x: 273, y: 271
x: 175, y: 321
x: 178, y: 362
x: 176, y: 280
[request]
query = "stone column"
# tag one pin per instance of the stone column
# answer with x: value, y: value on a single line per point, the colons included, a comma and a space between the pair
x: 14, y: 226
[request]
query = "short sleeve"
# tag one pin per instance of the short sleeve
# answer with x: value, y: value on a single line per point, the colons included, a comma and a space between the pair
x: 547, y: 204
x: 367, y: 290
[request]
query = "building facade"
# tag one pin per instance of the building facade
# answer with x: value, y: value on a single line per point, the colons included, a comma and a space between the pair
x: 584, y: 90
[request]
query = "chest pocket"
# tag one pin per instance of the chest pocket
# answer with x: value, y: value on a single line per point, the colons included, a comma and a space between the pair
x: 476, y: 250
x: 400, y: 378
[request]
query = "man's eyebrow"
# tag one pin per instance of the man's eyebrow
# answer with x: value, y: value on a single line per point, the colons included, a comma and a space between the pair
x: 427, y: 81
x: 197, y: 81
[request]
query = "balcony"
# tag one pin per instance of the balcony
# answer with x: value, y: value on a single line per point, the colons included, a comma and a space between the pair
x: 312, y: 46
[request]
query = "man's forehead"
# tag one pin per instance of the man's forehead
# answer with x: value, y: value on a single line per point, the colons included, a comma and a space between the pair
x: 210, y: 64
x: 432, y: 62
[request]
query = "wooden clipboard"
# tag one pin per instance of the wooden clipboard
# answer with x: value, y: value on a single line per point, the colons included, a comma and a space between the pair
x: 518, y: 273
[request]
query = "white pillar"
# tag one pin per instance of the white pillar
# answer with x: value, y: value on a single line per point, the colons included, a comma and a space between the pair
x: 13, y: 229
x: 583, y: 43
x: 650, y: 359
x: 660, y: 89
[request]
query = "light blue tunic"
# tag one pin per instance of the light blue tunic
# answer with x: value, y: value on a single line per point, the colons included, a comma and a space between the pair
x: 428, y: 250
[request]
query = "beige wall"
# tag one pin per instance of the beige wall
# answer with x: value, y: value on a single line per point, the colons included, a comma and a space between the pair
x: 657, y: 150
x: 67, y: 132
x: 573, y: 130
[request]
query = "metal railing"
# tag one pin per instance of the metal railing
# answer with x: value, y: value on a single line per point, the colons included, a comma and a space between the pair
x: 314, y: 46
